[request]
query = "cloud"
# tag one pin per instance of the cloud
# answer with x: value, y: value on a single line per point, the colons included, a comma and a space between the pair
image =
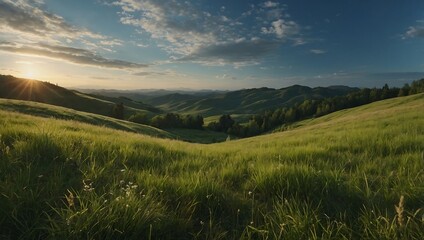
x: 318, y: 51
x: 225, y: 76
x: 240, y: 53
x: 281, y: 28
x: 270, y: 4
x: 186, y: 31
x: 143, y: 74
x: 414, y: 32
x: 69, y: 54
x: 21, y: 16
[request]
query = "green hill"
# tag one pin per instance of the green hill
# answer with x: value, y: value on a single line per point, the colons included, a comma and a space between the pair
x: 51, y: 111
x: 353, y: 174
x: 44, y: 92
x: 243, y: 102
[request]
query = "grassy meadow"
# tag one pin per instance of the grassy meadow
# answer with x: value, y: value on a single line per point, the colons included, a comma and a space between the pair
x: 353, y: 174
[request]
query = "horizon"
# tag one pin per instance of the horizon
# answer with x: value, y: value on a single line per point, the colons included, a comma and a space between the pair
x: 212, y: 45
x: 192, y: 90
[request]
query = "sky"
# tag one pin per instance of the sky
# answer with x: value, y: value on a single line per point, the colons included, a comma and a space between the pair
x: 212, y: 44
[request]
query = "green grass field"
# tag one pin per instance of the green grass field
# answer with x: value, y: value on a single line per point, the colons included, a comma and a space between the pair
x: 353, y: 174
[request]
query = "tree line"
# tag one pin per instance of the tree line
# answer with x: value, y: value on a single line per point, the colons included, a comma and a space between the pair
x: 169, y: 120
x: 272, y: 119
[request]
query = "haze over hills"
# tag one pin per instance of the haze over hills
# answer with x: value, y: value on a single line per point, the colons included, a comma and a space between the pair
x: 32, y: 90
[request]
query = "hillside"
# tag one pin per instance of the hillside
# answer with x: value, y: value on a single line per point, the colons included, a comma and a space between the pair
x: 242, y: 102
x: 51, y: 111
x: 353, y: 174
x: 44, y: 92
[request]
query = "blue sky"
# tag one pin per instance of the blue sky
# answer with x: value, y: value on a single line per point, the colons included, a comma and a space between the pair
x: 205, y: 44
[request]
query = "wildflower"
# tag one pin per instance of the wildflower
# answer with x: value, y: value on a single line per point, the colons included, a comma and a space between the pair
x: 250, y: 193
x: 201, y: 222
x: 123, y: 170
x: 70, y: 199
x: 88, y: 185
x: 40, y: 176
x: 122, y: 182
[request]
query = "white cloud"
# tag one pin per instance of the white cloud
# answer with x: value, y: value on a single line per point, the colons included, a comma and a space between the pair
x: 186, y: 31
x: 111, y: 43
x: 20, y: 16
x: 69, y: 54
x: 269, y: 4
x: 25, y: 28
x: 318, y: 51
x: 239, y: 53
x: 414, y: 32
x: 281, y: 28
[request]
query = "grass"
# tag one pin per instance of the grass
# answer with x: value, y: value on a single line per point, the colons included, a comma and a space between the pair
x: 33, y: 90
x: 198, y: 136
x: 240, y: 118
x: 354, y: 174
x: 50, y: 111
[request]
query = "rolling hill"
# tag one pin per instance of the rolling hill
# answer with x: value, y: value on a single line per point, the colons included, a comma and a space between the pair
x: 240, y: 103
x: 210, y: 104
x: 44, y: 92
x: 56, y: 112
x: 352, y: 174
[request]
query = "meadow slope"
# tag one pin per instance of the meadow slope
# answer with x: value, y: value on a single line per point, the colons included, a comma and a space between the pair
x: 353, y: 174
x: 51, y: 111
x: 45, y: 92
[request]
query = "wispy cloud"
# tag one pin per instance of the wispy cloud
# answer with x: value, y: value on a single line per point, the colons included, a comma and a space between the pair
x: 269, y: 4
x: 239, y: 53
x: 69, y: 54
x: 318, y: 51
x: 26, y: 28
x: 190, y: 33
x: 281, y: 28
x: 24, y: 17
x: 415, y: 31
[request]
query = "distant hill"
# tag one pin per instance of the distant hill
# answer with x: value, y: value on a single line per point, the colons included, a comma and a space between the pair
x: 242, y: 102
x: 247, y: 101
x: 148, y: 94
x: 44, y: 92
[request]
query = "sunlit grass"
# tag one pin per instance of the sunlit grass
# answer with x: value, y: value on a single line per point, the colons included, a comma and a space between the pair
x: 337, y: 177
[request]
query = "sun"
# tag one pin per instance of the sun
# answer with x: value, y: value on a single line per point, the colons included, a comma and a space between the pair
x: 29, y: 74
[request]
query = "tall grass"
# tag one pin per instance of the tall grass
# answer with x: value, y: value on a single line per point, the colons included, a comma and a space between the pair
x: 355, y: 174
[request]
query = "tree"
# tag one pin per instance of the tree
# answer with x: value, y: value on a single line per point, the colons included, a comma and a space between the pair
x: 225, y: 122
x: 118, y: 111
x: 141, y: 118
x: 404, y: 91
